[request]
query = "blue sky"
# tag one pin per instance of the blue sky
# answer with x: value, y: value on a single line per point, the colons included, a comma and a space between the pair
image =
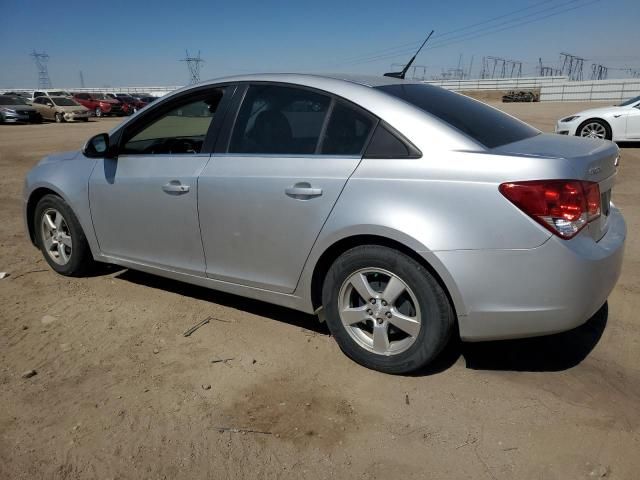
x: 120, y: 43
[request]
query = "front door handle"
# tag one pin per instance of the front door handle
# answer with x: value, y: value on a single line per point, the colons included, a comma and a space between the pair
x: 174, y: 186
x: 303, y: 191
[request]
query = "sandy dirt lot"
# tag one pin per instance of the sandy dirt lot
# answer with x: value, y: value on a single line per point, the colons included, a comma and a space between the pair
x: 121, y: 394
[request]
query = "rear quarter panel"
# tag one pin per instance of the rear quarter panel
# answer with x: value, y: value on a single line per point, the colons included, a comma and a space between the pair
x: 445, y: 201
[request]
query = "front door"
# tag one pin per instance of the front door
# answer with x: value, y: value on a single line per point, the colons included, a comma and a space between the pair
x: 633, y: 123
x: 265, y: 199
x: 144, y: 202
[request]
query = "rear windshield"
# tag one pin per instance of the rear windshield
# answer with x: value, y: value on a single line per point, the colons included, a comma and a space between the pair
x: 6, y: 100
x: 484, y: 124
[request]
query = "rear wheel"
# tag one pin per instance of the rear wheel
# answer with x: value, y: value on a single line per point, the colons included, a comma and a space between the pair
x: 98, y: 112
x: 385, y: 310
x: 60, y: 237
x: 595, y: 128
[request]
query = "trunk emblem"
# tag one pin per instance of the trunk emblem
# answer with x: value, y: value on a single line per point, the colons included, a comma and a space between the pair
x: 594, y: 170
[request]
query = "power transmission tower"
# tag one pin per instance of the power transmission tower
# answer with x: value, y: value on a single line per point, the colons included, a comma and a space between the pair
x: 81, y: 79
x: 41, y: 60
x: 572, y: 66
x: 544, y: 71
x: 193, y: 64
x: 599, y: 72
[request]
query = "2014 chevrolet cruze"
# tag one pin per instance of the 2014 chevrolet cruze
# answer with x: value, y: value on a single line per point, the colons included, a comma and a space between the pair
x: 394, y: 210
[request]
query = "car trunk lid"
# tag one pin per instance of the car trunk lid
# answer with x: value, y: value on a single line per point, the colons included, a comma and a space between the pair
x: 591, y: 160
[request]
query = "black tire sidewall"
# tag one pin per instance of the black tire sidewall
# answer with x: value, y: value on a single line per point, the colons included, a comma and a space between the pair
x: 437, y: 314
x: 81, y: 257
x: 607, y: 128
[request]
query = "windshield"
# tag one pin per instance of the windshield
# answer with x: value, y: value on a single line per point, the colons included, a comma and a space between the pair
x: 630, y: 101
x: 59, y: 93
x: 486, y: 125
x: 64, y: 102
x: 100, y: 96
x: 6, y: 100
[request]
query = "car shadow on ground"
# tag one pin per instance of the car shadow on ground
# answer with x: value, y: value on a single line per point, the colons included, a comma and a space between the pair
x: 550, y: 353
x: 255, y: 307
x: 628, y: 144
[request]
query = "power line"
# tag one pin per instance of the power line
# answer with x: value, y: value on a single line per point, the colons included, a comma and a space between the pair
x: 477, y: 34
x: 413, y: 45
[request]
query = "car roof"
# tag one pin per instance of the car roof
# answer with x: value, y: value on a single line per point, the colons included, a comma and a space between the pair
x: 313, y: 78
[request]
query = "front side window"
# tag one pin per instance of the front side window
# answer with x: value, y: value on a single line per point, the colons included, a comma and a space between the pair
x: 279, y: 120
x: 181, y: 130
x: 488, y: 126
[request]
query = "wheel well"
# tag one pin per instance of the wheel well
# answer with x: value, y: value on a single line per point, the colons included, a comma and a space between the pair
x: 34, y: 198
x: 607, y: 124
x: 334, y: 251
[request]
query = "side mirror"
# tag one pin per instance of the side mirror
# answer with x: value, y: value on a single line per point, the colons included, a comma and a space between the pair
x: 49, y: 104
x: 97, y: 146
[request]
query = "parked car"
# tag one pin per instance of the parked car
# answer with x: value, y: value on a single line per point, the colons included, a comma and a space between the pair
x: 99, y: 104
x: 132, y: 104
x: 617, y: 123
x: 148, y: 99
x: 60, y: 109
x: 521, y: 96
x: 399, y: 212
x: 17, y: 110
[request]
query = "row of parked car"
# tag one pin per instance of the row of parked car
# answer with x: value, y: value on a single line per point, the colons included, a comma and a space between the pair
x: 63, y: 106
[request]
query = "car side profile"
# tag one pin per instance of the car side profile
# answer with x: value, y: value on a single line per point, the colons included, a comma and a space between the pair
x: 60, y: 109
x: 99, y: 104
x: 398, y: 212
x: 618, y: 122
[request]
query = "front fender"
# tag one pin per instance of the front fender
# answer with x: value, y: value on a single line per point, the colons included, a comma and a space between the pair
x: 69, y: 179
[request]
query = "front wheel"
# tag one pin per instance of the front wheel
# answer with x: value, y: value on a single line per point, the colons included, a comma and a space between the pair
x: 98, y: 112
x: 385, y: 310
x: 595, y: 129
x: 60, y: 237
x: 59, y: 118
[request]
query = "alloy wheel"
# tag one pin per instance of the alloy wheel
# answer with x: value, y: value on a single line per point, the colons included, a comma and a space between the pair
x: 56, y: 236
x: 379, y: 311
x: 594, y: 130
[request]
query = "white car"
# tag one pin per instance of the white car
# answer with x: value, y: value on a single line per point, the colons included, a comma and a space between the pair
x: 617, y: 123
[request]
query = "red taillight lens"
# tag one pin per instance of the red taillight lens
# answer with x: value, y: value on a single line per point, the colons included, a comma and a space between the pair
x: 562, y: 206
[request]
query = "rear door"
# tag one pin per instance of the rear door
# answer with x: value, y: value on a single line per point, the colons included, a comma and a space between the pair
x: 264, y: 197
x: 144, y: 202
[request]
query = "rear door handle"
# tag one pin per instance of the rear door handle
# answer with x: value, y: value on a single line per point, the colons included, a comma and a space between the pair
x: 302, y: 191
x: 174, y: 186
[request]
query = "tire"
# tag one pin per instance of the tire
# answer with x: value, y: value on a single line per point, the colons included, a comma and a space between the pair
x: 98, y: 112
x: 79, y: 259
x: 422, y: 298
x: 85, y: 119
x: 59, y: 118
x: 594, y: 128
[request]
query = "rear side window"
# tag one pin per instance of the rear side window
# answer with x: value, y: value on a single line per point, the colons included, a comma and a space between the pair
x: 386, y: 144
x: 279, y: 120
x: 484, y: 124
x: 347, y: 131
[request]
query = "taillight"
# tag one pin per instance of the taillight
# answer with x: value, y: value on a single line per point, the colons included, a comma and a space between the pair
x: 563, y: 206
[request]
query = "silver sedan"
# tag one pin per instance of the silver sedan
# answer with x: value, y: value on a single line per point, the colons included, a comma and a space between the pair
x: 396, y: 211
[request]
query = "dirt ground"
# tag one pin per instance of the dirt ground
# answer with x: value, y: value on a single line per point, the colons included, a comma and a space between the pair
x: 121, y: 394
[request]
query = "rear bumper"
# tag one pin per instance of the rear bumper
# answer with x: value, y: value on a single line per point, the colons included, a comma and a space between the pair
x: 524, y: 293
